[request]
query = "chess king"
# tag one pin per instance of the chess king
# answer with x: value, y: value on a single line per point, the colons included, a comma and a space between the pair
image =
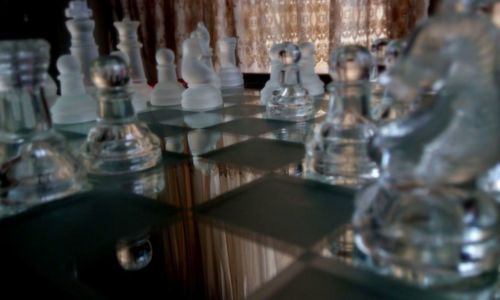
x: 424, y: 220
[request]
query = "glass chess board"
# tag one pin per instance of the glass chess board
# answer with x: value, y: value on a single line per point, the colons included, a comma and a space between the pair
x: 227, y: 215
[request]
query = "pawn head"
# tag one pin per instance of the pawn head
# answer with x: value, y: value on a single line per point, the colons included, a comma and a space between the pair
x: 110, y: 72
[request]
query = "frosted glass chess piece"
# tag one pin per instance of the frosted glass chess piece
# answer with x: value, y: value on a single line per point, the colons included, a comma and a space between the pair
x: 201, y: 93
x: 36, y: 165
x: 310, y: 79
x: 138, y: 98
x: 119, y: 143
x: 274, y: 82
x: 203, y: 36
x: 424, y: 220
x: 291, y: 101
x: 50, y: 88
x: 168, y: 90
x: 231, y: 77
x: 338, y: 152
x: 388, y: 108
x: 81, y: 27
x: 74, y: 105
x: 130, y: 45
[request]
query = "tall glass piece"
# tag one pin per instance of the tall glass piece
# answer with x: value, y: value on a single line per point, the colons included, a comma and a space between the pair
x: 35, y: 162
x: 337, y: 153
x: 119, y: 143
x: 291, y: 101
x: 424, y: 220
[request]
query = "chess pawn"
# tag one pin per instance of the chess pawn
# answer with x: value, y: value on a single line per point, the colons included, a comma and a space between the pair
x: 119, y: 143
x: 139, y: 95
x: 203, y: 36
x: 36, y: 165
x: 274, y: 82
x: 201, y: 93
x: 230, y: 75
x: 74, y: 105
x: 50, y: 88
x: 168, y: 90
x: 129, y: 44
x: 81, y: 27
x: 337, y: 153
x: 310, y: 79
x: 291, y: 101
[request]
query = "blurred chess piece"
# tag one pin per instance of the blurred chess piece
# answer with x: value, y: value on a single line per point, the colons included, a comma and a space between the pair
x: 119, y: 143
x: 203, y: 36
x: 168, y: 90
x: 310, y: 79
x: 424, y: 220
x: 74, y: 105
x: 291, y: 101
x: 388, y: 108
x: 36, y: 165
x: 201, y: 93
x: 338, y: 152
x: 83, y: 46
x: 130, y: 45
x: 50, y: 88
x: 134, y: 253
x: 140, y: 103
x: 230, y: 75
x: 274, y: 82
x: 378, y: 53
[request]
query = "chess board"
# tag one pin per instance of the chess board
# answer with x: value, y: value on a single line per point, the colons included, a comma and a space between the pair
x: 227, y: 215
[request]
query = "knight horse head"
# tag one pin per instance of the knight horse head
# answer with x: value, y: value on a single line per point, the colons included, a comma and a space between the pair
x: 454, y: 139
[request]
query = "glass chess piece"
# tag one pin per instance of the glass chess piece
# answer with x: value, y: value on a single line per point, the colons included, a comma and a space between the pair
x: 36, y: 163
x: 424, y: 220
x: 119, y: 143
x: 338, y: 151
x: 291, y: 101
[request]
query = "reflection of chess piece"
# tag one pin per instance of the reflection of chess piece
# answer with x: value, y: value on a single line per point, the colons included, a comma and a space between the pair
x: 168, y: 91
x: 203, y: 36
x: 138, y: 100
x: 135, y: 253
x: 291, y: 101
x: 50, y: 88
x: 310, y: 79
x: 119, y: 143
x: 230, y: 75
x: 130, y: 45
x: 274, y: 82
x: 424, y: 220
x: 81, y: 28
x: 74, y: 105
x: 36, y: 164
x: 201, y: 93
x: 201, y: 141
x: 338, y: 151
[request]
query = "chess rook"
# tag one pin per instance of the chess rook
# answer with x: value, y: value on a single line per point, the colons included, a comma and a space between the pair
x: 310, y: 79
x: 230, y: 75
x: 168, y: 90
x: 74, y: 105
x: 81, y: 27
x: 119, y: 143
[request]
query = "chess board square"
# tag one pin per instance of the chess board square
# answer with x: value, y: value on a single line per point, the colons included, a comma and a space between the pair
x: 200, y: 119
x: 292, y: 210
x: 200, y: 141
x: 158, y: 115
x: 245, y: 110
x: 163, y: 131
x: 251, y: 126
x: 259, y: 153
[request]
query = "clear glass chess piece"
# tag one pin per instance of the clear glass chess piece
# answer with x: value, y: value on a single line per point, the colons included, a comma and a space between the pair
x: 291, y: 101
x: 36, y: 165
x: 424, y: 220
x: 119, y: 143
x: 337, y: 152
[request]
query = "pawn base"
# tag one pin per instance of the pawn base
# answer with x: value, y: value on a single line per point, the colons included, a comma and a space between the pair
x: 74, y: 110
x: 166, y: 94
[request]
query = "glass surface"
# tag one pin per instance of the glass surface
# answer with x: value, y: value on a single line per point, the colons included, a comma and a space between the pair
x: 200, y: 141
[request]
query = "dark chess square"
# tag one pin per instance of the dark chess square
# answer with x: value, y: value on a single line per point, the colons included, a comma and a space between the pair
x: 251, y: 126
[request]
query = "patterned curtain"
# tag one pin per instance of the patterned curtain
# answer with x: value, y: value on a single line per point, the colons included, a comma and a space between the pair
x: 259, y: 24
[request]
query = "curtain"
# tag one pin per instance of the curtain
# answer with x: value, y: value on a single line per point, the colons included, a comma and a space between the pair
x: 258, y: 24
